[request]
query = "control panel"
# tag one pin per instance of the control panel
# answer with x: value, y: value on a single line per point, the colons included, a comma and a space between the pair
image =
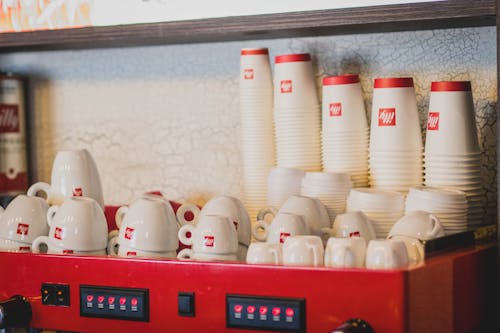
x: 55, y: 294
x: 265, y: 313
x: 114, y: 303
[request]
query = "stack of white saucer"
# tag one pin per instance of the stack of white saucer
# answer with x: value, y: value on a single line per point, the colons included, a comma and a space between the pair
x: 452, y: 154
x: 450, y: 206
x: 330, y: 188
x: 345, y: 130
x: 256, y: 111
x: 395, y: 137
x: 296, y: 113
x: 382, y: 207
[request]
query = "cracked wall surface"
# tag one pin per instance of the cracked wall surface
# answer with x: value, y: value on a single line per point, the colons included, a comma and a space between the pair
x: 166, y: 117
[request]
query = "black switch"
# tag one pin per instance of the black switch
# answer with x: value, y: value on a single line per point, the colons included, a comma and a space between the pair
x: 48, y: 294
x: 185, y: 304
x: 62, y: 294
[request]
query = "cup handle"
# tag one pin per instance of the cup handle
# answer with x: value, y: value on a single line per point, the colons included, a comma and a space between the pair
x: 185, y: 254
x: 119, y: 215
x: 326, y: 233
x: 37, y: 187
x: 113, y: 245
x: 276, y: 255
x: 436, y: 225
x: 35, y: 246
x: 182, y: 234
x: 51, y: 212
x: 257, y: 234
x: 269, y: 210
x: 317, y: 257
x: 187, y: 208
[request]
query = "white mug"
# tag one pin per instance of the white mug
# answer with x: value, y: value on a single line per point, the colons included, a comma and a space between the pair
x: 353, y: 224
x: 345, y: 252
x: 74, y: 173
x: 78, y: 224
x: 44, y: 244
x: 283, y: 226
x: 213, y: 234
x: 414, y: 247
x: 190, y: 254
x: 386, y: 254
x: 314, y: 212
x: 124, y: 251
x: 24, y: 219
x: 418, y: 224
x: 148, y: 224
x: 265, y: 253
x: 303, y: 251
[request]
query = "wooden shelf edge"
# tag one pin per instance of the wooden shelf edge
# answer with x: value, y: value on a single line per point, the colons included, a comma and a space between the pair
x: 417, y: 16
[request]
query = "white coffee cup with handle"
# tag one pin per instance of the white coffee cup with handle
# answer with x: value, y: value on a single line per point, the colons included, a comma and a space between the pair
x: 352, y: 224
x: 7, y: 245
x: 414, y: 247
x: 386, y: 254
x: 304, y: 250
x: 124, y: 251
x: 283, y: 226
x: 418, y: 224
x: 314, y: 212
x: 265, y: 253
x: 345, y: 252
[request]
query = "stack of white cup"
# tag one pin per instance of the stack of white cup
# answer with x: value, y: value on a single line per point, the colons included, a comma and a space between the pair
x: 282, y: 184
x: 452, y: 154
x: 256, y: 111
x: 395, y: 137
x: 345, y: 129
x: 450, y: 206
x: 330, y: 188
x: 382, y: 207
x: 296, y: 113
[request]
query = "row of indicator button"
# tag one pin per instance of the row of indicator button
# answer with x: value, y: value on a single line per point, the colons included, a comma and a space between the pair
x: 263, y: 310
x: 111, y: 302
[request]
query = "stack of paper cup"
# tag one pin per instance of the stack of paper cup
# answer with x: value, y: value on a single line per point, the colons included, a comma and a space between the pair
x: 450, y: 206
x: 296, y: 113
x: 256, y: 109
x: 282, y: 184
x: 395, y: 137
x: 382, y: 207
x: 452, y: 154
x: 345, y: 129
x: 330, y: 188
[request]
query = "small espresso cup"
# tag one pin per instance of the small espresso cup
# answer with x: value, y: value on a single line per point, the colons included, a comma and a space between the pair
x: 304, y: 250
x: 386, y: 254
x: 418, y: 224
x: 190, y: 254
x: 7, y: 245
x: 124, y: 251
x: 414, y: 247
x: 283, y: 226
x: 213, y: 234
x: 265, y: 253
x: 345, y: 252
x: 353, y: 224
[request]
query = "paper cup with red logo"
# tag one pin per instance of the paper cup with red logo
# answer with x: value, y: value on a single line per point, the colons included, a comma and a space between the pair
x: 294, y: 82
x: 255, y: 71
x: 284, y: 225
x: 343, y: 105
x: 214, y: 234
x: 24, y: 219
x: 148, y: 224
x: 451, y: 124
x: 394, y: 120
x: 78, y: 224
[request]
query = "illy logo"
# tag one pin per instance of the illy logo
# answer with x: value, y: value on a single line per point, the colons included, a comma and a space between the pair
x: 24, y: 249
x: 131, y: 254
x: 129, y: 233
x: 354, y: 234
x: 22, y: 229
x: 58, y: 233
x: 286, y: 86
x: 433, y: 121
x: 67, y: 251
x: 283, y: 236
x: 77, y: 192
x: 209, y: 241
x: 9, y: 118
x: 335, y: 109
x: 248, y: 73
x: 387, y: 117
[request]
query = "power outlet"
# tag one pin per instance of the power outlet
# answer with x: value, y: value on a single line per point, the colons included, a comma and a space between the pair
x: 55, y: 294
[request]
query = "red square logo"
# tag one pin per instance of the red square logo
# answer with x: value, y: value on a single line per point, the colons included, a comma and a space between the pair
x: 354, y: 234
x: 77, y: 192
x: 433, y: 121
x: 24, y: 249
x: 387, y: 117
x: 248, y: 73
x: 67, y: 251
x: 286, y: 86
x: 22, y: 229
x: 129, y: 233
x: 209, y: 241
x: 131, y: 254
x: 335, y: 109
x: 9, y: 118
x: 283, y: 236
x: 58, y: 233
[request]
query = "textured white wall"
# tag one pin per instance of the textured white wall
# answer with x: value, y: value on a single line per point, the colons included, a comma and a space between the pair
x: 166, y: 117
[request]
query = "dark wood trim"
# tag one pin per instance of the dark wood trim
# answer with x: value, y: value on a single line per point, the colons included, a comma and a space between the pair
x: 417, y: 16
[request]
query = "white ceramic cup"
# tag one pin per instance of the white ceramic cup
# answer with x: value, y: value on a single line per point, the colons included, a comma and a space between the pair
x: 124, y: 251
x: 74, y: 173
x: 24, y: 219
x: 303, y: 251
x: 191, y: 254
x: 345, y: 252
x: 386, y: 254
x: 235, y: 211
x: 414, y: 247
x: 148, y: 224
x: 78, y: 224
x: 265, y: 253
x: 314, y: 212
x: 213, y: 234
x: 353, y: 224
x: 418, y: 224
x: 284, y: 225
x: 46, y: 245
x: 7, y: 245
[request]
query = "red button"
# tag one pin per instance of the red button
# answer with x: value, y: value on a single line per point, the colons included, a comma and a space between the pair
x: 90, y: 298
x: 276, y: 311
x: 238, y: 308
x: 100, y: 299
x: 111, y: 300
x: 133, y: 301
x: 263, y: 310
x: 289, y: 312
x: 123, y: 300
x: 250, y: 309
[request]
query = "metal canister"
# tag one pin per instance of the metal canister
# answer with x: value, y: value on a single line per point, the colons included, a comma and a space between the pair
x: 13, y: 146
